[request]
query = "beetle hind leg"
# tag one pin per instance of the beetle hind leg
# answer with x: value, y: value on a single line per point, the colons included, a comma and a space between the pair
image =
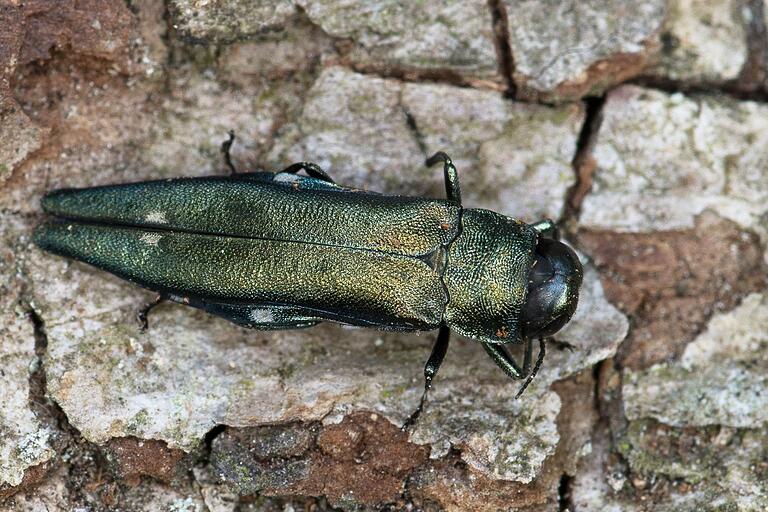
x: 451, y: 176
x: 430, y: 371
x: 143, y: 314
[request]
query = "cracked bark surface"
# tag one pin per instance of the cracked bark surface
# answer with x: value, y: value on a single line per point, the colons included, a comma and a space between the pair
x: 660, y: 183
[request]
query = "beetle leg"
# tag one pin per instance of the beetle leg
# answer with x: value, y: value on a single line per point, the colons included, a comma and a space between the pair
x: 430, y: 371
x: 506, y: 362
x: 536, y: 367
x: 452, y: 189
x: 313, y: 171
x: 547, y: 228
x: 143, y: 312
x: 225, y: 147
x: 528, y: 356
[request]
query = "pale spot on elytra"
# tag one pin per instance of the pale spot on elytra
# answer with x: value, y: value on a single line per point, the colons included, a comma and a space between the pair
x: 151, y: 238
x: 156, y: 217
x: 262, y: 316
x: 286, y: 177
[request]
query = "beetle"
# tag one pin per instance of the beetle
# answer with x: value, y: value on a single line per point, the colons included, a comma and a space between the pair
x: 285, y: 251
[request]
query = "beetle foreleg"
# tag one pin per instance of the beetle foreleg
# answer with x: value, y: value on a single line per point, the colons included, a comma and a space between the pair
x: 506, y: 362
x: 452, y: 189
x: 144, y: 312
x: 313, y: 171
x: 528, y: 356
x: 430, y: 371
x: 225, y: 147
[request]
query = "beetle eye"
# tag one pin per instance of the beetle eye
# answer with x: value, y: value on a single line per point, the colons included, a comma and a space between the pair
x: 553, y: 289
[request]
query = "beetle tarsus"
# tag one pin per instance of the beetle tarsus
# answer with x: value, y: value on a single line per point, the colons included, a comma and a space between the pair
x: 415, y: 414
x: 225, y: 148
x: 312, y: 169
x: 536, y: 367
x: 430, y: 372
x: 143, y: 313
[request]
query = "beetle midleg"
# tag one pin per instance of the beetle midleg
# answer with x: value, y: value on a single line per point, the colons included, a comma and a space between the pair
x: 430, y: 371
x: 313, y: 170
x: 225, y: 147
x: 142, y: 314
x: 451, y: 176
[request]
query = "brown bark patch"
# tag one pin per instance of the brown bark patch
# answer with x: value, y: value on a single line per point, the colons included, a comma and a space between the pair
x: 670, y: 283
x: 10, y: 40
x: 364, y: 459
x: 133, y: 458
x: 449, y: 483
x: 97, y: 28
x: 32, y: 476
x: 598, y: 77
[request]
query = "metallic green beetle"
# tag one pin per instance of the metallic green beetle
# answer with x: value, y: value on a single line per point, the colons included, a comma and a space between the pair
x: 282, y: 251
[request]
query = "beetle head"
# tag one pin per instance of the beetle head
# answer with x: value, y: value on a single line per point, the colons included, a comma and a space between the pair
x: 553, y: 289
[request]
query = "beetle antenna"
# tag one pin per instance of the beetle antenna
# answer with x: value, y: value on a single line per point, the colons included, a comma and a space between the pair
x: 539, y: 361
x: 225, y: 147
